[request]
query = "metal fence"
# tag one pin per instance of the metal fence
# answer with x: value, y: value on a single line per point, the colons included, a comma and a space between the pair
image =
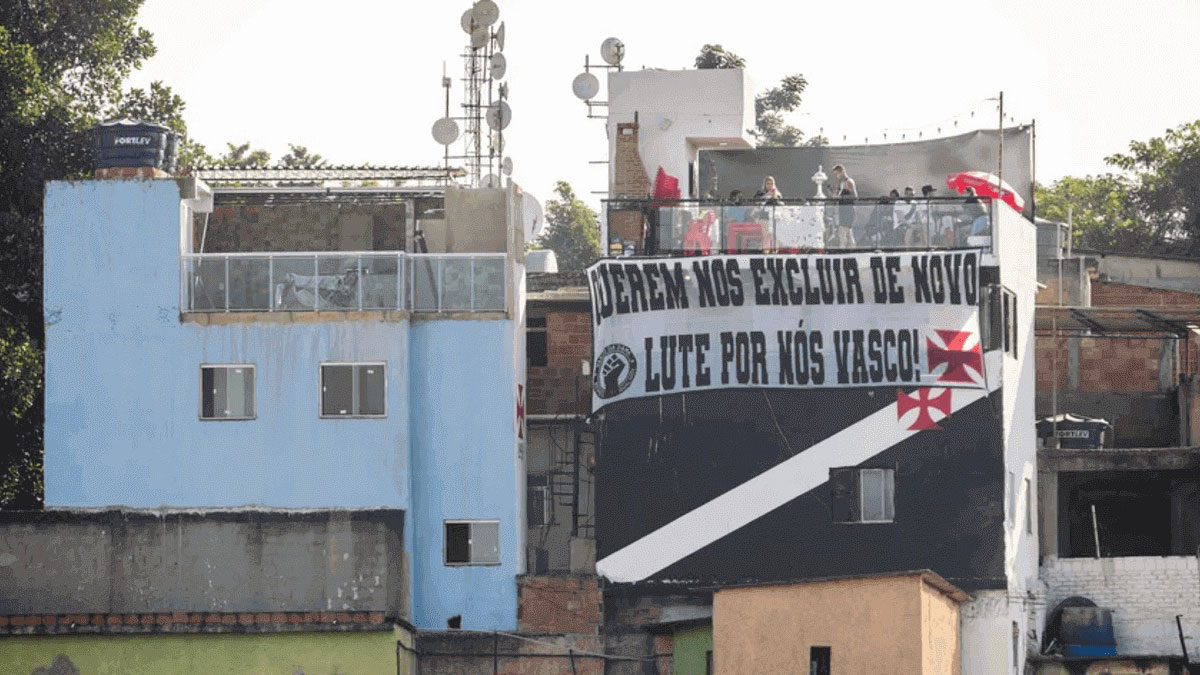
x: 344, y: 281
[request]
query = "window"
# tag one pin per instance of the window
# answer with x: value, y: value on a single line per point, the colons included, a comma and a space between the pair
x: 472, y: 542
x: 353, y: 390
x: 1028, y: 508
x: 820, y: 661
x: 227, y: 392
x: 862, y: 495
x: 535, y: 340
x: 999, y: 312
x: 537, y: 501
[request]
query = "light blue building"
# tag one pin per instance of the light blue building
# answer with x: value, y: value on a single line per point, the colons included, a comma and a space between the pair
x: 280, y: 348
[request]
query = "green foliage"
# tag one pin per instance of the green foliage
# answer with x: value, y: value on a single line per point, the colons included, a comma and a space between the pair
x: 164, y: 106
x: 1165, y: 174
x: 572, y: 231
x: 770, y: 129
x: 1151, y: 207
x: 20, y: 420
x: 243, y: 155
x: 715, y: 56
x: 298, y: 157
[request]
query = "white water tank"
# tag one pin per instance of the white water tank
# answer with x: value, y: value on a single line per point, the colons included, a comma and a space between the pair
x: 542, y: 260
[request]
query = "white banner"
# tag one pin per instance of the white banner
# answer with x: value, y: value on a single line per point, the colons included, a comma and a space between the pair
x: 674, y: 325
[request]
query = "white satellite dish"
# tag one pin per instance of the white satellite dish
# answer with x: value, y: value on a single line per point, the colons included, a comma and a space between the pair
x: 499, y: 37
x: 532, y: 217
x: 485, y: 13
x: 445, y: 131
x: 506, y: 166
x: 479, y: 37
x: 612, y: 51
x: 585, y: 86
x: 499, y: 66
x: 499, y: 115
x: 467, y: 22
x: 490, y: 181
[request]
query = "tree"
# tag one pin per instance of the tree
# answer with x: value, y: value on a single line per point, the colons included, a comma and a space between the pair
x: 1101, y: 212
x: 298, y: 157
x: 770, y: 129
x: 163, y: 106
x: 572, y: 231
x: 1165, y: 175
x: 242, y: 155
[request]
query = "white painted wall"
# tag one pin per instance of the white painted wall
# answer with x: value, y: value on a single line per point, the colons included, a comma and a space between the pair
x: 1144, y: 592
x: 679, y: 113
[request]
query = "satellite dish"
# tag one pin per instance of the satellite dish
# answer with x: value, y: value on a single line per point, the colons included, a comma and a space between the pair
x: 467, y: 22
x: 485, y: 13
x: 490, y: 181
x: 445, y: 131
x: 503, y: 89
x: 479, y: 37
x: 499, y: 66
x: 506, y: 166
x: 499, y: 37
x: 585, y: 86
x: 499, y: 115
x: 532, y: 217
x: 612, y: 51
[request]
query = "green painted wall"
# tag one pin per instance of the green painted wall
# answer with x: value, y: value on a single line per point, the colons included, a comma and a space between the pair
x: 265, y: 654
x: 690, y: 648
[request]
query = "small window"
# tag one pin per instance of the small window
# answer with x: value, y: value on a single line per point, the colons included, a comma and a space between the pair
x: 535, y: 341
x: 820, y: 661
x: 353, y: 390
x: 862, y: 495
x: 537, y: 502
x: 227, y: 392
x: 472, y: 542
x: 999, y: 324
x: 1028, y: 507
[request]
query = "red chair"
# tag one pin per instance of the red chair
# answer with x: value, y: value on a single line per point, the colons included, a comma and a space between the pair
x: 747, y: 238
x: 698, y: 240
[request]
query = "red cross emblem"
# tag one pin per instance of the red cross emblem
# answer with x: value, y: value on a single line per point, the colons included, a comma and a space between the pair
x: 924, y: 401
x: 520, y: 411
x: 960, y: 360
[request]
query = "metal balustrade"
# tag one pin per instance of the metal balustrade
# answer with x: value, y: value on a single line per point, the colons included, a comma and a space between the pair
x: 344, y: 281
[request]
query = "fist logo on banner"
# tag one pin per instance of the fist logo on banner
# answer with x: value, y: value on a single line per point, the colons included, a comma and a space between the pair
x: 614, y: 371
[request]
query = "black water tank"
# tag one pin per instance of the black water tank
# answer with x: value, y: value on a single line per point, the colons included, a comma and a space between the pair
x: 1074, y: 432
x: 134, y: 143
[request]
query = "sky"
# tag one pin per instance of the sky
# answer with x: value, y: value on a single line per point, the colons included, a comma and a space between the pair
x: 359, y: 81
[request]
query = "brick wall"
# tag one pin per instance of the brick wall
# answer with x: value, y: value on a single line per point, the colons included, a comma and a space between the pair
x: 630, y: 180
x: 559, y: 604
x: 552, y: 388
x: 1145, y: 594
x: 302, y: 227
x: 1111, y: 294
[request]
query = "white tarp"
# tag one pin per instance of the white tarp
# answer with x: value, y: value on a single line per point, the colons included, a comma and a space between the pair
x: 675, y: 325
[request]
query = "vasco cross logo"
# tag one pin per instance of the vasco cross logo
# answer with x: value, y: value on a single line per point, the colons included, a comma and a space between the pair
x: 614, y: 371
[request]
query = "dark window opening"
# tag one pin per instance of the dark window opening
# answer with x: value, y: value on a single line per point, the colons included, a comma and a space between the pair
x: 820, y: 661
x: 472, y: 542
x: 353, y: 390
x: 537, y: 502
x: 535, y: 341
x: 862, y: 495
x: 227, y: 392
x: 999, y: 320
x: 1128, y: 514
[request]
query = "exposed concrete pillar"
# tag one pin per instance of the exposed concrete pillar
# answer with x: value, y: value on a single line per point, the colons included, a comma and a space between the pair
x: 1166, y: 364
x: 1048, y: 513
x: 1072, y: 363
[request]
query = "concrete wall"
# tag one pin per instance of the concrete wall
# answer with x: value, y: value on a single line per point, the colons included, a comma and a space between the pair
x: 872, y: 625
x: 1158, y: 273
x: 475, y: 221
x: 1145, y: 594
x: 941, y: 651
x: 450, y: 446
x: 278, y: 654
x: 672, y: 126
x: 467, y: 464
x: 121, y: 562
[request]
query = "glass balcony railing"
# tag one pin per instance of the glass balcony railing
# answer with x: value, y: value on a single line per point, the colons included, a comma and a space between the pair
x: 703, y: 228
x: 344, y: 281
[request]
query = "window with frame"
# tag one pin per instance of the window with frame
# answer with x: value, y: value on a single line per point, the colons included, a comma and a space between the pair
x: 472, y: 542
x: 536, y: 352
x: 537, y: 502
x: 999, y: 312
x: 227, y: 392
x: 862, y: 495
x: 353, y: 390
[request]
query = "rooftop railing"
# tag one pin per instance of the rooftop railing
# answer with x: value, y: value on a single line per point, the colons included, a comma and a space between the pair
x: 344, y: 281
x: 796, y: 226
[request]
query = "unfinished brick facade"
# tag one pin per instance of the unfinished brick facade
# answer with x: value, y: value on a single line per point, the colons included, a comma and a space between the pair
x: 560, y: 604
x: 629, y: 179
x: 560, y: 387
x: 302, y: 227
